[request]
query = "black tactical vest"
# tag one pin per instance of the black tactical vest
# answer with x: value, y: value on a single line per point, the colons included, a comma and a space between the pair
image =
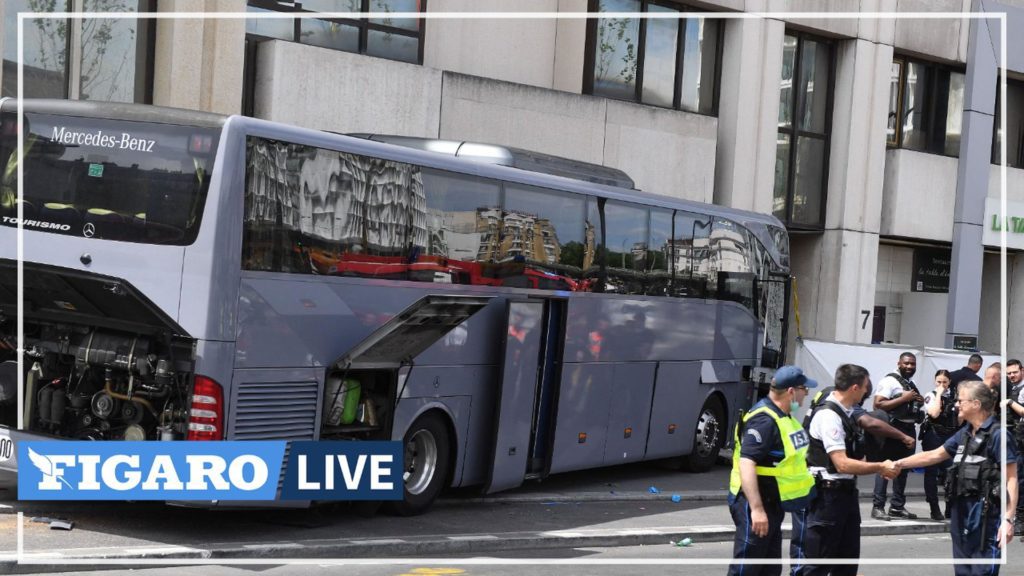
x: 946, y: 423
x: 973, y: 475
x: 854, y: 439
x: 908, y: 411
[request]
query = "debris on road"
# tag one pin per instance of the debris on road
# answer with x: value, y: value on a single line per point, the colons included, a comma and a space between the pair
x: 55, y: 523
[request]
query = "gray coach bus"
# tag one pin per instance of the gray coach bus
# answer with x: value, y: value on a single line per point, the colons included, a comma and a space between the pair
x: 189, y: 276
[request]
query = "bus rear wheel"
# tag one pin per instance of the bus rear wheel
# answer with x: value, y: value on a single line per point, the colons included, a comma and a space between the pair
x: 427, y: 459
x: 708, y: 438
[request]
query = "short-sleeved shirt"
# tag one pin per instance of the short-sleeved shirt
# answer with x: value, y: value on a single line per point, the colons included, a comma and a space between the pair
x: 827, y: 426
x: 992, y: 450
x: 761, y: 441
x: 958, y: 376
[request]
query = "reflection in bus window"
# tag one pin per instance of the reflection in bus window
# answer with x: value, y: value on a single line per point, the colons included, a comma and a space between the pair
x: 626, y: 243
x: 731, y: 256
x: 692, y: 257
x: 659, y: 262
x: 544, y: 235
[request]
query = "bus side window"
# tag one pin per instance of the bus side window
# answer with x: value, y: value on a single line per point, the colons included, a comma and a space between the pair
x: 463, y: 218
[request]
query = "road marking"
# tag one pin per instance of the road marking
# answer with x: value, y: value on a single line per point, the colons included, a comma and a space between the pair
x: 474, y: 537
x: 379, y: 541
x: 275, y: 545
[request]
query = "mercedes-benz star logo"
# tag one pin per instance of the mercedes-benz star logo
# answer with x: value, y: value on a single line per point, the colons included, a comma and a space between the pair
x: 89, y: 230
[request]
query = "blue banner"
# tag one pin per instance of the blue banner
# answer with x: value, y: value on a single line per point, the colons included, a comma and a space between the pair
x: 223, y: 470
x: 369, y: 470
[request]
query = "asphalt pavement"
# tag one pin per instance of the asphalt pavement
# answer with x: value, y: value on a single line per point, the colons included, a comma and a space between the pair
x: 622, y: 506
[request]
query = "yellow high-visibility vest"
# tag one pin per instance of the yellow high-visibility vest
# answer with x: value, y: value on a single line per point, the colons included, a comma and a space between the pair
x: 791, y: 474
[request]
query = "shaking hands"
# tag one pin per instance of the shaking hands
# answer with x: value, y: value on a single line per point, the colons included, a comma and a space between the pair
x: 890, y: 469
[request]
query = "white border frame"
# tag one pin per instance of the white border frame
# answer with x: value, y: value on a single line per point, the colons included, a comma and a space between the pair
x: 43, y: 559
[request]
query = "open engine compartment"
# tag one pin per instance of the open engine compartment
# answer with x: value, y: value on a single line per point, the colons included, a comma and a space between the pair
x: 87, y: 383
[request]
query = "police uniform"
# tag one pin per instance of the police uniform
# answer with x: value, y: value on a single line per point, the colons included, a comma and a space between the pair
x: 934, y: 433
x: 973, y: 487
x: 902, y: 418
x: 1015, y: 424
x: 830, y: 527
x: 778, y: 445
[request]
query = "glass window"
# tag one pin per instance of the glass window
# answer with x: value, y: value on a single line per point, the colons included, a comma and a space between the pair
x: 463, y: 216
x: 660, y: 254
x: 392, y: 38
x: 674, y: 66
x: 383, y: 44
x: 542, y: 238
x: 731, y: 255
x: 926, y: 104
x: 114, y: 52
x: 617, y: 51
x: 801, y: 161
x: 893, y: 123
x: 1014, y: 125
x: 279, y: 28
x: 108, y: 179
x: 700, y: 65
x: 692, y: 256
x: 46, y: 55
x: 660, y: 59
x: 626, y: 241
x: 327, y: 34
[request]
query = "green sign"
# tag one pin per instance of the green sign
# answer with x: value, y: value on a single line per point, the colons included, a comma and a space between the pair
x: 96, y: 170
x: 1014, y: 224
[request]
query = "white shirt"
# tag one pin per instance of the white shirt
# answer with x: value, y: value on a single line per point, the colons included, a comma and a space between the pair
x: 890, y: 388
x: 827, y: 426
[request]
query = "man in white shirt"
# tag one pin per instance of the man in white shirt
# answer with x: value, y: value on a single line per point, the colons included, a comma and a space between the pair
x: 832, y: 525
x: 898, y: 395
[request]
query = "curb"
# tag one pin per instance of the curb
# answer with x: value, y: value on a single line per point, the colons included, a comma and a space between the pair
x: 611, y: 496
x: 430, y: 546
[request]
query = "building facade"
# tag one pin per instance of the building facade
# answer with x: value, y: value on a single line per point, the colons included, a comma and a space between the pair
x: 875, y: 140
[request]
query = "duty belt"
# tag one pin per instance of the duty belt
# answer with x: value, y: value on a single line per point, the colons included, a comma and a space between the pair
x: 842, y: 484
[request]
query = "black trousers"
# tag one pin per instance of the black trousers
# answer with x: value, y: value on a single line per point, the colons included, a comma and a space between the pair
x: 831, y: 529
x: 748, y: 545
x: 894, y: 450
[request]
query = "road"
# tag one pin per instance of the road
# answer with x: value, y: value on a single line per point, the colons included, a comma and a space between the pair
x: 594, y: 514
x: 590, y: 561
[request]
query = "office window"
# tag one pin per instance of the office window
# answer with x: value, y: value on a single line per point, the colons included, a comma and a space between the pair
x: 1014, y: 125
x: 672, y: 63
x: 805, y: 118
x: 392, y: 38
x: 113, y: 60
x: 926, y: 104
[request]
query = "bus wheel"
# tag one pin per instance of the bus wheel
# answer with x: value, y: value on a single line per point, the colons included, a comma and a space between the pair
x: 708, y: 439
x: 427, y: 456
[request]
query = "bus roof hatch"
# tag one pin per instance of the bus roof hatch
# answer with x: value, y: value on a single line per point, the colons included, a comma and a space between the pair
x: 411, y: 331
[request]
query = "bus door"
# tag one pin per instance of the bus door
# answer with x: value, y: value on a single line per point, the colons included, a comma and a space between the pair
x: 773, y: 312
x: 531, y: 349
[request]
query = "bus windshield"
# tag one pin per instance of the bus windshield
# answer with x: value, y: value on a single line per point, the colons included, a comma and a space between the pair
x: 107, y: 179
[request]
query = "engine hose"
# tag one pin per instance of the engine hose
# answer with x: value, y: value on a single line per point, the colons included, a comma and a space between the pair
x: 110, y: 391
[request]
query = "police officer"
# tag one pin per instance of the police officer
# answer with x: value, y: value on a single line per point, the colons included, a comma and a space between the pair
x: 1014, y: 405
x: 942, y: 422
x: 769, y: 472
x: 898, y: 395
x: 876, y: 431
x: 979, y: 526
x: 832, y: 524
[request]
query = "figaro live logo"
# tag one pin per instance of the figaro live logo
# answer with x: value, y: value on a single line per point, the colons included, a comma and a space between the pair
x: 230, y: 470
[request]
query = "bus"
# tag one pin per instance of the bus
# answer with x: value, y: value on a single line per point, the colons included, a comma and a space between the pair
x: 505, y: 315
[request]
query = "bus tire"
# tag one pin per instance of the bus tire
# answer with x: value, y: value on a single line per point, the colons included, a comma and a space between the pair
x: 708, y: 437
x: 427, y: 460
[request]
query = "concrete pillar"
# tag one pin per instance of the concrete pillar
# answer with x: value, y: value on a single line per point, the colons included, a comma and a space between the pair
x: 748, y: 109
x: 199, y: 63
x: 964, y: 311
x: 841, y: 267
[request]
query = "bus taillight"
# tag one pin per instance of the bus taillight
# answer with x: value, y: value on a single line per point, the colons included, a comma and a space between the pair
x: 206, y: 417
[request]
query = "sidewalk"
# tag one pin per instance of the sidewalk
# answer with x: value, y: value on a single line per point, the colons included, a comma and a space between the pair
x: 633, y: 482
x: 662, y: 524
